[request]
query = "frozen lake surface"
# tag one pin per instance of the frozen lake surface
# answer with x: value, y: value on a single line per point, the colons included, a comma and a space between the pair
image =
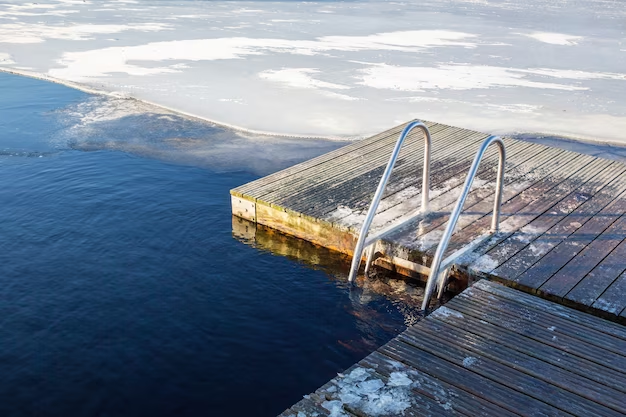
x: 341, y: 68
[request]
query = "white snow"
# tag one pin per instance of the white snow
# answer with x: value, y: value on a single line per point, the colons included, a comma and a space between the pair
x: 484, y: 264
x: 302, y: 78
x: 469, y: 361
x: 5, y: 59
x: 453, y: 77
x: 37, y: 33
x: 335, y: 407
x: 399, y: 379
x: 299, y: 78
x: 555, y: 38
x: 444, y: 311
x: 540, y: 248
x: 116, y: 58
x: 527, y: 233
x: 362, y: 390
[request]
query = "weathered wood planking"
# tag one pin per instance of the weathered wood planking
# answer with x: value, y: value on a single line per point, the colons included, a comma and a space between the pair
x: 563, y: 227
x: 469, y: 358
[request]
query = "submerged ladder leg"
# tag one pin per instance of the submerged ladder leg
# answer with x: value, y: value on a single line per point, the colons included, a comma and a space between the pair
x: 361, y: 241
x: 370, y: 258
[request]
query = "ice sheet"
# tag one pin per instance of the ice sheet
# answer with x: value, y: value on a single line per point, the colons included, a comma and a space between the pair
x: 340, y: 69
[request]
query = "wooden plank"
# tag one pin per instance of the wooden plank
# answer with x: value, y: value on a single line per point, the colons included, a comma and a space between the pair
x: 526, y: 206
x: 572, y: 315
x: 516, y: 179
x: 430, y: 230
x: 540, y: 333
x: 529, y: 255
x: 562, y: 253
x: 306, y: 407
x: 318, y: 232
x: 449, y: 396
x: 532, y: 347
x: 477, y: 385
x: 501, y: 352
x: 523, y: 179
x: 405, y: 181
x: 564, y: 280
x: 600, y: 280
x: 365, y: 170
x: 448, y: 171
x: 525, y: 236
x: 390, y: 135
x: 557, y: 324
x: 613, y: 299
x: 352, y: 164
x: 444, y: 192
x: 489, y: 351
x: 516, y: 211
x: 447, y: 184
x: 507, y: 376
x: 455, y: 158
x: 243, y: 208
x: 483, y: 387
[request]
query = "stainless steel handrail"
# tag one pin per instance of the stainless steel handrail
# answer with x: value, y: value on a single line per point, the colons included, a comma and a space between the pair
x: 454, y: 216
x: 360, y: 244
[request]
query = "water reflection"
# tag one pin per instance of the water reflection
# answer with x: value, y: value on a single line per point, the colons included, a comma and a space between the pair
x: 405, y: 294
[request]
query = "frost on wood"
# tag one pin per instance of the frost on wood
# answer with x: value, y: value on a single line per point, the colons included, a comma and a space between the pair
x: 469, y: 361
x: 484, y: 264
x: 444, y: 311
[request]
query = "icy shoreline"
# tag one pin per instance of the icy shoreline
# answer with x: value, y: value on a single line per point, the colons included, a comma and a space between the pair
x: 95, y: 91
x: 338, y: 70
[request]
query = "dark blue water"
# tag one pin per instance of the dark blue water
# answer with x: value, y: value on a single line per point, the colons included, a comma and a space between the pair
x: 124, y: 293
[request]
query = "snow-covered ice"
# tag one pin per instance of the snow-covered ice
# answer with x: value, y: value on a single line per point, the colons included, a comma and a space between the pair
x: 340, y: 69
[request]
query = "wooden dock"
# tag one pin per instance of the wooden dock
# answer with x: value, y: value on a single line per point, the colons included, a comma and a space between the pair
x: 490, y: 351
x: 563, y: 225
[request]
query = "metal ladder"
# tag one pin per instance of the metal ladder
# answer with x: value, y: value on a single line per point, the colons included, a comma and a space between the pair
x: 363, y: 240
x: 439, y: 279
x: 440, y: 268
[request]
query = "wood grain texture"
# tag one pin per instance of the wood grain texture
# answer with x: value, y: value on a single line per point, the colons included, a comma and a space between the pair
x: 489, y: 352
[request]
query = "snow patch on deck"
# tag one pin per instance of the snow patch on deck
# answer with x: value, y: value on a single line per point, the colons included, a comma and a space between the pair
x: 362, y: 390
x: 484, y: 263
x: 470, y: 361
x: 444, y: 311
